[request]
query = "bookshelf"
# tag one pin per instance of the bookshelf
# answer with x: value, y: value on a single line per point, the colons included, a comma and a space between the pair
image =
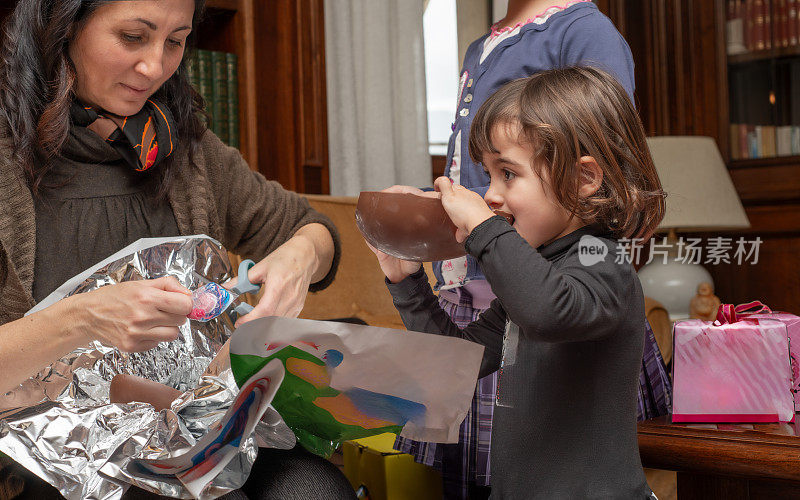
x: 686, y: 84
x: 763, y: 67
x: 280, y: 49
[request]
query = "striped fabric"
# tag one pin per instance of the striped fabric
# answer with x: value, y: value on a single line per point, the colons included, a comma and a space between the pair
x: 468, y: 460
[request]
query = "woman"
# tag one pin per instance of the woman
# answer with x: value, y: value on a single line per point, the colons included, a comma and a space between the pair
x: 101, y: 144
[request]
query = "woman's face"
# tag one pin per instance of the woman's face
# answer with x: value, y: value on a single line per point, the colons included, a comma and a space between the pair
x: 127, y: 49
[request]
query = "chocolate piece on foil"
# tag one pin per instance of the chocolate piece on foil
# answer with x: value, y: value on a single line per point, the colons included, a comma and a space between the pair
x: 407, y: 226
x: 129, y: 388
x: 508, y: 216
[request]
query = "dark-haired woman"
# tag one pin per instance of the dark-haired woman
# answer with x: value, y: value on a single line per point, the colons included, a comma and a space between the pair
x: 100, y: 145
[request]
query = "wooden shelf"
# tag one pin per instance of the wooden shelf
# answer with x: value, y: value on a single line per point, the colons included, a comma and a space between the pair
x: 775, y: 161
x: 764, y: 55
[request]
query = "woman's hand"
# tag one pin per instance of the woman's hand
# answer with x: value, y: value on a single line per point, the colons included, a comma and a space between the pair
x: 286, y: 273
x: 466, y: 208
x: 133, y: 316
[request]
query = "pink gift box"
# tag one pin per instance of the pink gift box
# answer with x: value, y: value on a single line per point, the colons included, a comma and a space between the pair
x: 732, y: 372
x: 792, y: 323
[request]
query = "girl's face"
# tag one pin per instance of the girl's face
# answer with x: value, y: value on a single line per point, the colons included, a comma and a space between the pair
x: 127, y: 49
x: 517, y: 189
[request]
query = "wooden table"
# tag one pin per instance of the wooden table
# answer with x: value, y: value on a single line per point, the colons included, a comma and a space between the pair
x: 726, y: 461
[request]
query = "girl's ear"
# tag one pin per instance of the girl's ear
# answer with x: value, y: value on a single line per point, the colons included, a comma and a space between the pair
x: 591, y: 176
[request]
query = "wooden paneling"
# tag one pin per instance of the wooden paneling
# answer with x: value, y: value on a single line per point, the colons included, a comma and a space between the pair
x: 291, y: 103
x: 680, y: 81
x: 312, y: 117
x: 438, y: 164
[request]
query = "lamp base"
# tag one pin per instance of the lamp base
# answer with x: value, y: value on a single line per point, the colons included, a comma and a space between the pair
x: 673, y: 283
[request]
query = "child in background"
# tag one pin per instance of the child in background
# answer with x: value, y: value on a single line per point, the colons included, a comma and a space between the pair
x: 568, y: 162
x: 534, y: 36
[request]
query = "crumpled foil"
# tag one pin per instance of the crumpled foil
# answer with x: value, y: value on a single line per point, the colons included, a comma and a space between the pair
x: 60, y: 425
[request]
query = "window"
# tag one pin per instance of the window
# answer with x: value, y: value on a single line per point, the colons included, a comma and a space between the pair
x: 441, y: 71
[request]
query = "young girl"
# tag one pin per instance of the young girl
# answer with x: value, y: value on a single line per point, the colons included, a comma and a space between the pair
x: 571, y: 172
x: 535, y: 35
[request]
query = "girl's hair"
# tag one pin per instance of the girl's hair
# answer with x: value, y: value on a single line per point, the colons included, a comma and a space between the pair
x: 37, y: 79
x: 573, y: 112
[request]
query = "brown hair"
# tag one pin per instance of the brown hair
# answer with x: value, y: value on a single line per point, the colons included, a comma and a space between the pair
x: 573, y: 112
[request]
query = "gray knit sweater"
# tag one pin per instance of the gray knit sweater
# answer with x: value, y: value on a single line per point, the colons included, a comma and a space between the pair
x: 219, y: 196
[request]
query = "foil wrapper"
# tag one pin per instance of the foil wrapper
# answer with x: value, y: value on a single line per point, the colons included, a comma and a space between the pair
x: 61, y: 426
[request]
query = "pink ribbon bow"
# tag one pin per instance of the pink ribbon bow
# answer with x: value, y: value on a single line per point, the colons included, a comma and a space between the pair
x: 728, y: 313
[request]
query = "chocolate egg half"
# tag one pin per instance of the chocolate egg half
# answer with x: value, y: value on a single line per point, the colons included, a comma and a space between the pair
x: 407, y: 226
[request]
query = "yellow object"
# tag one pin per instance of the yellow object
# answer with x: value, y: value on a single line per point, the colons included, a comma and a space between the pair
x: 387, y: 473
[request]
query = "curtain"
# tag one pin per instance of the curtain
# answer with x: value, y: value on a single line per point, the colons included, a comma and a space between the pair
x: 377, y: 112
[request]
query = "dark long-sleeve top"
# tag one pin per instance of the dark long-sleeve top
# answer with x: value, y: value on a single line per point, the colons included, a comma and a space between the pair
x: 572, y: 430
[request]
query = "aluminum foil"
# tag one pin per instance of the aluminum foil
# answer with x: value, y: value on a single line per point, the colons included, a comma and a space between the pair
x: 60, y: 425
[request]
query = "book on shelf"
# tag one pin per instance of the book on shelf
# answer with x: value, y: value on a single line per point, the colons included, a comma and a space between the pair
x: 768, y: 141
x: 796, y: 140
x: 754, y: 25
x: 749, y: 141
x: 734, y: 138
x: 215, y: 77
x: 769, y: 28
x: 759, y: 30
x: 783, y: 141
x: 204, y: 77
x: 219, y: 95
x: 232, y: 79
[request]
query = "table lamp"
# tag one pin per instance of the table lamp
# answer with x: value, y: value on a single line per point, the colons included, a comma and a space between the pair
x: 700, y: 197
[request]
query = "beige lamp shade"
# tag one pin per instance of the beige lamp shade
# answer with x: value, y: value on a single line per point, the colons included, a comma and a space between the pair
x: 700, y: 193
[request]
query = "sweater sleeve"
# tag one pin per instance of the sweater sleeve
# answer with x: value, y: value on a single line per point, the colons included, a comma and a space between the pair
x: 592, y: 40
x: 566, y: 303
x: 258, y: 215
x: 419, y: 308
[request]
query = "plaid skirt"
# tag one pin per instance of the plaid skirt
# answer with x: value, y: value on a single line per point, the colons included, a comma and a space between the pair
x: 468, y: 460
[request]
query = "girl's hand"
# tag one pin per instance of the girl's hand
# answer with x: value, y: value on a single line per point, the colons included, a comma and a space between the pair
x: 133, y: 316
x: 408, y: 190
x: 396, y: 270
x: 466, y: 208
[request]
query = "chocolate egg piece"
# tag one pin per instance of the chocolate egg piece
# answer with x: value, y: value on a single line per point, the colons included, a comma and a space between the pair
x: 508, y: 216
x: 407, y: 226
x: 127, y: 388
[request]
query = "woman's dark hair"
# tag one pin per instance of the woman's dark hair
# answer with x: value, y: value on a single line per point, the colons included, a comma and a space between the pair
x: 37, y: 79
x: 568, y: 113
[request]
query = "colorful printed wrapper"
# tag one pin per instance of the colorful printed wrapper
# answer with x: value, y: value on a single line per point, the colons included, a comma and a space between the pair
x: 198, y: 466
x: 346, y: 381
x: 732, y: 372
x: 209, y: 301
